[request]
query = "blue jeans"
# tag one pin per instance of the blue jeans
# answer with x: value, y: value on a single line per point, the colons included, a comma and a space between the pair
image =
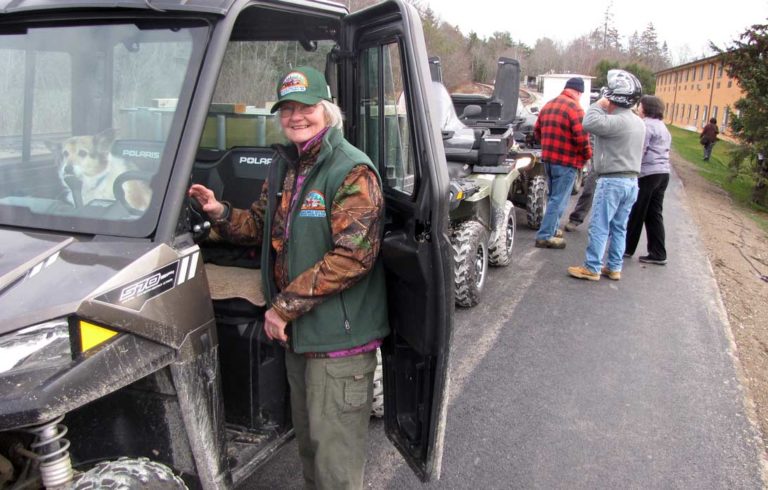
x: 560, y: 181
x: 614, y: 197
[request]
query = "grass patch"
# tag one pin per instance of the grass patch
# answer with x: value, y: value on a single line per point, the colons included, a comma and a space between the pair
x: 716, y: 170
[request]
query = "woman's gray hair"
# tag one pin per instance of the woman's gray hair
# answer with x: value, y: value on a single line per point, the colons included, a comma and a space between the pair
x: 333, y: 115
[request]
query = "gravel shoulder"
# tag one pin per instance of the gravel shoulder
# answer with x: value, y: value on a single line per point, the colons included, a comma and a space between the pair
x: 738, y: 251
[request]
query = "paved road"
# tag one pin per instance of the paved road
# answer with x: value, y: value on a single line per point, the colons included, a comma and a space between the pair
x: 561, y: 383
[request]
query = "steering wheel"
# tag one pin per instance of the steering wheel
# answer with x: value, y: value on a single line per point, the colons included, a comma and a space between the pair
x: 133, y: 190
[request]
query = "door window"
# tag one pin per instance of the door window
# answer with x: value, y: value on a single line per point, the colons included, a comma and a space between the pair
x: 384, y: 132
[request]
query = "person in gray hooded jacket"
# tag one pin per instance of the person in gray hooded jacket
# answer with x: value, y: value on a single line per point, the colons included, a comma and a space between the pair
x: 619, y: 136
x: 653, y: 181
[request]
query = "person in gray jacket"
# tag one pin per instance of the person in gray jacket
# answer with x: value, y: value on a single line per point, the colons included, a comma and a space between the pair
x: 653, y: 181
x: 619, y: 137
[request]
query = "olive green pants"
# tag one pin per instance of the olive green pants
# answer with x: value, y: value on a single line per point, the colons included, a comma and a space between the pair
x: 331, y: 406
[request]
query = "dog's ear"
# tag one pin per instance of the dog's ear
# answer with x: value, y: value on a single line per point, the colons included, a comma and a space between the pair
x: 103, y: 141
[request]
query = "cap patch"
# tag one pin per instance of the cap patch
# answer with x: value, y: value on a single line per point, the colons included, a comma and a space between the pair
x: 293, y: 82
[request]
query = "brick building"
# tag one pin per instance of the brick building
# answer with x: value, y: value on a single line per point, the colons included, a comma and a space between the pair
x: 696, y: 91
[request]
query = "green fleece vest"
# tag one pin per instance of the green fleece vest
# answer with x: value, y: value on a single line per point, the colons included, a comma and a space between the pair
x: 356, y: 315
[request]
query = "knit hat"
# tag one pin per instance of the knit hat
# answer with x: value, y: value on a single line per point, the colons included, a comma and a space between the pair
x: 576, y: 84
x: 303, y: 84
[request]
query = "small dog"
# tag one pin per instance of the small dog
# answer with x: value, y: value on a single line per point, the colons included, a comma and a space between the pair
x: 86, y: 162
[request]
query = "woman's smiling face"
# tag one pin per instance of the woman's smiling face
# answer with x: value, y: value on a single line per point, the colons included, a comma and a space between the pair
x: 301, y: 122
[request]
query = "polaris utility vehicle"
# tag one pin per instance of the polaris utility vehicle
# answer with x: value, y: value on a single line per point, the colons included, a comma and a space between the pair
x: 131, y: 342
x: 484, y: 164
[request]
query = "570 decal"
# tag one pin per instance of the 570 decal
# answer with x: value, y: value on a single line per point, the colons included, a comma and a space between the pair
x: 137, y: 293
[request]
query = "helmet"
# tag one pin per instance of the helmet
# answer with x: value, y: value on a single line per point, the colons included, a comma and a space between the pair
x: 623, y: 88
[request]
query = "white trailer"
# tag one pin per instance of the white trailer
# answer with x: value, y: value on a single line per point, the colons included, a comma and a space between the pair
x: 554, y: 83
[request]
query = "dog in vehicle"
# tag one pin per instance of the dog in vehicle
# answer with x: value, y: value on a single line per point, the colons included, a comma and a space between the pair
x: 88, y: 170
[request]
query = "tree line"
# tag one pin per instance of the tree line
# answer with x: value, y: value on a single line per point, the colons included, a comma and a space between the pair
x: 471, y: 58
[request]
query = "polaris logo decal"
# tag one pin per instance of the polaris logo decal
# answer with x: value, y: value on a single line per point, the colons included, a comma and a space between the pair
x: 137, y: 293
x: 152, y: 155
x: 255, y: 160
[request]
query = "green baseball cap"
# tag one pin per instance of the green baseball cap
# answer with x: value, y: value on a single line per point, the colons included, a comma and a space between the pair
x: 303, y: 84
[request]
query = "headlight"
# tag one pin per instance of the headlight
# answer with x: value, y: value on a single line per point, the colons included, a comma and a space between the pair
x: 39, y: 346
x: 522, y: 162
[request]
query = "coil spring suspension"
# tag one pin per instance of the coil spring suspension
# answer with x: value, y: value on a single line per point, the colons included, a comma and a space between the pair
x: 52, y: 453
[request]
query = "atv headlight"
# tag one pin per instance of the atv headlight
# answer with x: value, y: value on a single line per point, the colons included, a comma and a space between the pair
x: 40, y: 346
x: 523, y: 162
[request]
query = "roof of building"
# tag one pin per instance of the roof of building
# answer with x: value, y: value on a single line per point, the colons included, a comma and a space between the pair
x: 689, y: 64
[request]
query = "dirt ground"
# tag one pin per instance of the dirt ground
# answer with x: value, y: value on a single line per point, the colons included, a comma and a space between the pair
x: 738, y: 251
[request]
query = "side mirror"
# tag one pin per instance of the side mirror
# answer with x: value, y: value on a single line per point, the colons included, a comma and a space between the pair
x: 472, y: 110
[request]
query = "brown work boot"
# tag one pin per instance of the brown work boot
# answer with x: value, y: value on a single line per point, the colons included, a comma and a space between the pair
x: 553, y: 242
x: 612, y: 275
x: 571, y: 226
x: 581, y: 272
x: 558, y: 233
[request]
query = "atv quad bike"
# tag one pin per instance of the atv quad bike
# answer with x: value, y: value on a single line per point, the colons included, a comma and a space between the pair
x: 483, y: 170
x: 131, y: 341
x: 503, y: 110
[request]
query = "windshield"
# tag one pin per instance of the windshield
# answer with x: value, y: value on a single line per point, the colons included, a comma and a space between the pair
x: 87, y: 111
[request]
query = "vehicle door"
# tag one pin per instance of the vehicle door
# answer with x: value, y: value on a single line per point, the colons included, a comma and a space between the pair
x: 384, y: 83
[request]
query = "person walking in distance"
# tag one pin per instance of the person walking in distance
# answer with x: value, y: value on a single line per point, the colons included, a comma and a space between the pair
x: 564, y: 150
x: 619, y: 137
x: 653, y: 181
x: 709, y: 137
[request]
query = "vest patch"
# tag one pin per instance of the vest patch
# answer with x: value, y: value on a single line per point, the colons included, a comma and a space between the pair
x: 313, y: 205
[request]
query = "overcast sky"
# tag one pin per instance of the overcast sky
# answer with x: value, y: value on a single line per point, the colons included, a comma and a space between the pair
x: 686, y: 25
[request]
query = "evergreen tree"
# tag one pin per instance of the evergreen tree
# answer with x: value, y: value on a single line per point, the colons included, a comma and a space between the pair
x: 746, y: 61
x: 634, y: 46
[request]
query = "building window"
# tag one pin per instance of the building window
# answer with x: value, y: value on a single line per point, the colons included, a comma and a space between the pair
x: 687, y: 74
x: 711, y: 71
x: 696, y: 115
x: 730, y: 82
x: 726, y: 117
x: 714, y: 111
x: 704, y: 116
x: 701, y: 73
x: 720, y: 70
x: 666, y: 108
x: 717, y: 85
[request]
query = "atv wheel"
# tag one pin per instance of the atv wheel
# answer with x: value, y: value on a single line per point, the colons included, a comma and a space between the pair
x: 377, y: 407
x: 470, y: 260
x: 500, y: 246
x: 536, y: 201
x: 129, y: 474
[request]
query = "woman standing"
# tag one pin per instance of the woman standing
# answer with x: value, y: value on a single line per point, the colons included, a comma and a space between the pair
x: 319, y: 220
x: 653, y: 181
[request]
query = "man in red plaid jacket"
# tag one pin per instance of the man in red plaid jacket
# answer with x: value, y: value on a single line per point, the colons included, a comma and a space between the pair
x: 564, y: 151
